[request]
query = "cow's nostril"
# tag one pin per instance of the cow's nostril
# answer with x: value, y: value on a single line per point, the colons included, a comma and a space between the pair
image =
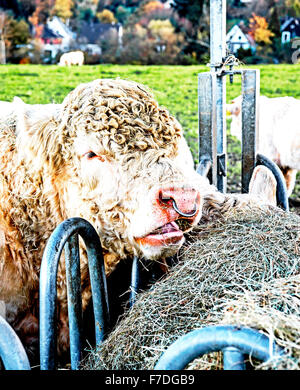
x: 169, y: 200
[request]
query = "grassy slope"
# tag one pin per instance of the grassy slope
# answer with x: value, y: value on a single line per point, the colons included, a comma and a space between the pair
x: 175, y: 87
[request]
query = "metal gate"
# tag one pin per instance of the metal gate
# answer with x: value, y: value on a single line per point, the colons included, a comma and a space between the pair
x: 233, y: 341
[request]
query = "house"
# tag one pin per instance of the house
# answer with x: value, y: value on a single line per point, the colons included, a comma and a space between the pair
x: 91, y: 36
x: 56, y: 25
x: 290, y: 29
x: 55, y: 37
x: 236, y: 39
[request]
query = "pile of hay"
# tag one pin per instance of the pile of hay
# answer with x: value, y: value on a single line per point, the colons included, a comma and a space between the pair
x: 243, y: 269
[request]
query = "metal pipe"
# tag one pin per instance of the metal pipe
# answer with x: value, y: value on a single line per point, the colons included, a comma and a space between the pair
x: 12, y: 352
x: 233, y: 359
x: 48, y: 293
x: 250, y: 125
x: 217, y: 56
x: 216, y: 338
x: 72, y: 260
x: 281, y: 190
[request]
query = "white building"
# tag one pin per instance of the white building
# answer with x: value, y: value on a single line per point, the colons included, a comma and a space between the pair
x: 290, y: 29
x: 236, y: 39
x: 67, y: 37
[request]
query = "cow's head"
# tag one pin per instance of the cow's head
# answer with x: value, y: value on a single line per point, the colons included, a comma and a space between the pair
x: 120, y: 161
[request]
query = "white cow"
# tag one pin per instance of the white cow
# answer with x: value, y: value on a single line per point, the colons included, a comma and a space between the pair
x: 279, y: 132
x: 72, y: 58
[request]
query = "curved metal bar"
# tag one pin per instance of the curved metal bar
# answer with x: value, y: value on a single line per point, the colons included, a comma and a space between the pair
x: 73, y: 277
x: 48, y: 293
x: 12, y: 352
x: 281, y: 190
x: 216, y: 338
x: 135, y: 280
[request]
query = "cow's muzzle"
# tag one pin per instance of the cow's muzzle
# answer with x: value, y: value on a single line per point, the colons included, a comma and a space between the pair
x: 184, y: 201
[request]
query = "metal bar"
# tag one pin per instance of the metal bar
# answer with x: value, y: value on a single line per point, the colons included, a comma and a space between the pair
x: 207, y: 123
x: 217, y: 56
x: 12, y: 352
x: 135, y: 280
x: 74, y: 299
x: 48, y: 293
x: 281, y: 190
x: 250, y: 125
x: 216, y: 338
x: 233, y: 359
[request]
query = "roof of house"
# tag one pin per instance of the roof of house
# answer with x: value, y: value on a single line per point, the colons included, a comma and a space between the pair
x: 236, y: 35
x: 48, y: 33
x: 90, y: 32
x: 289, y: 24
x: 56, y: 25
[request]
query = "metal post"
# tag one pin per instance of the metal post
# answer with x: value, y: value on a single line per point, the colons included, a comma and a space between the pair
x: 250, y: 129
x: 207, y: 123
x: 217, y: 56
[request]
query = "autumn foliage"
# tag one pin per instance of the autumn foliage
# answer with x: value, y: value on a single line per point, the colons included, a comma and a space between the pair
x: 259, y: 30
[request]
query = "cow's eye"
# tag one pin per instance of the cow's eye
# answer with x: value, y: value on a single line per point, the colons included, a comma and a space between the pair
x: 90, y: 155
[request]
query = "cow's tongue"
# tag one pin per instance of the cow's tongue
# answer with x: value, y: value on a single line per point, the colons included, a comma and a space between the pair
x: 167, y: 228
x: 168, y: 234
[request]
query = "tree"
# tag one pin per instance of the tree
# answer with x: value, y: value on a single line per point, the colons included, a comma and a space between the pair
x: 16, y: 36
x: 153, y: 6
x: 2, y: 38
x: 106, y: 16
x: 161, y: 29
x: 63, y: 9
x: 191, y: 10
x: 259, y: 30
x: 42, y: 11
x: 294, y: 7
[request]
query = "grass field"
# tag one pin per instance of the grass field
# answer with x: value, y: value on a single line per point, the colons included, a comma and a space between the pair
x: 175, y: 87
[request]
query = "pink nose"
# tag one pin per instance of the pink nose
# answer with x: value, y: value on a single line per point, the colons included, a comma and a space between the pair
x: 185, y: 202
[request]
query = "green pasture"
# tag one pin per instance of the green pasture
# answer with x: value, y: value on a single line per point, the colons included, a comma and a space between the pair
x: 175, y: 87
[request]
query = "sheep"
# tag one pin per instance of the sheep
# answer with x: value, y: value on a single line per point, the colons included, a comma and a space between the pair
x: 72, y: 58
x: 279, y: 132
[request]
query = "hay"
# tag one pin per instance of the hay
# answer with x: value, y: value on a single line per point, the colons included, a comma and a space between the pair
x: 243, y: 269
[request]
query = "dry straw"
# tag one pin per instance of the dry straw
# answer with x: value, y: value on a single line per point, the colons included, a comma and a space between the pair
x: 242, y: 269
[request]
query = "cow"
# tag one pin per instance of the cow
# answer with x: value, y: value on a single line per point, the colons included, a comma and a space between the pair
x: 71, y: 58
x: 109, y: 154
x: 279, y: 132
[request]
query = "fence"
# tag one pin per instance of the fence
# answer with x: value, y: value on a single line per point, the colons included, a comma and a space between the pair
x: 212, y: 162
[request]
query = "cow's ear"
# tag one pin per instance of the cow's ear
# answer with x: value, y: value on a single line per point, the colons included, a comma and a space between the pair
x: 22, y: 120
x: 37, y: 139
x: 263, y: 185
x: 29, y: 116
